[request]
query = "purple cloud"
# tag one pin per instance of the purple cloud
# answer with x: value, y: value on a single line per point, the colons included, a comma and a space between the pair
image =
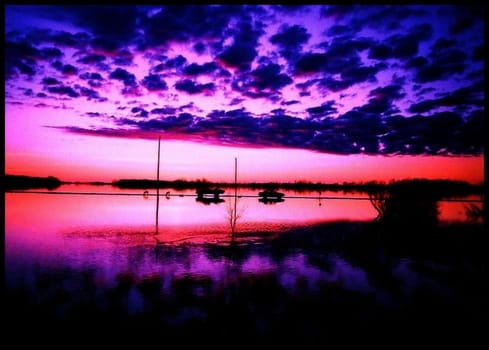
x: 316, y: 77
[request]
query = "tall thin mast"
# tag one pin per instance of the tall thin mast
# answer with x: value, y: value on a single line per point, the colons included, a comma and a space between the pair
x: 235, y: 175
x: 235, y: 194
x: 158, y: 184
x: 158, y: 168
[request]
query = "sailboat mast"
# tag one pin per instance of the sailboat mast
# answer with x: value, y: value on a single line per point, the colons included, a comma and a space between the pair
x: 235, y: 191
x: 235, y: 173
x: 158, y: 185
x: 158, y: 168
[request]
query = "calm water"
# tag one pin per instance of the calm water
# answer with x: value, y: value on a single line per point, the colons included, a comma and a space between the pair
x: 110, y: 258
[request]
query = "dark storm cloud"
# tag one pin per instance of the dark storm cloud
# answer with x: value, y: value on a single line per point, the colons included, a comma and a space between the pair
x: 290, y: 39
x: 66, y: 69
x: 58, y: 65
x: 199, y: 48
x: 292, y: 9
x: 377, y: 106
x: 218, y: 114
x: 106, y: 45
x: 164, y: 110
x: 439, y: 133
x: 338, y: 11
x: 123, y: 75
x: 443, y: 64
x: 191, y: 87
x: 470, y: 96
x: 478, y: 53
x: 340, y: 56
x: 175, y: 124
x: 77, y: 40
x: 358, y: 17
x: 443, y: 43
x: 69, y: 69
x: 356, y: 131
x: 51, y: 52
x: 63, y: 90
x: 310, y: 63
x: 289, y: 103
x: 180, y: 23
x: 50, y: 81
x: 390, y: 92
x: 197, y: 69
x: 86, y: 92
x: 339, y: 29
x: 384, y: 17
x: 154, y: 82
x: 346, y: 47
x: 324, y: 110
x: 175, y: 62
x: 421, y: 92
x: 91, y: 76
x: 380, y: 104
x: 362, y: 73
x: 402, y: 46
x: 242, y: 51
x: 123, y: 58
x: 109, y: 24
x: 20, y: 50
x: 92, y: 59
x: 158, y: 68
x: 269, y: 77
x: 20, y: 57
x: 35, y: 36
x: 350, y: 76
x: 417, y: 62
x: 472, y: 135
x: 139, y: 112
x: 239, y: 55
x: 466, y: 17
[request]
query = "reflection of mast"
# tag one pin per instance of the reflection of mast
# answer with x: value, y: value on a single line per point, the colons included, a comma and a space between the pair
x: 158, y: 185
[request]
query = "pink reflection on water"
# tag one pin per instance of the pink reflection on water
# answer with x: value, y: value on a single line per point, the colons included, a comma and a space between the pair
x: 457, y: 211
x: 88, y: 226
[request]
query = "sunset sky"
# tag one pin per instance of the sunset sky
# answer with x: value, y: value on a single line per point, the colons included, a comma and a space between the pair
x: 319, y: 93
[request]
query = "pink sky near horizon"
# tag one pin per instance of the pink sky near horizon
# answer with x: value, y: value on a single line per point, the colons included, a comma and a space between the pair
x: 35, y: 150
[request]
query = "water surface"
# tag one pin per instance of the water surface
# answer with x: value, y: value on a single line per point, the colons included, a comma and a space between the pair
x: 107, y: 258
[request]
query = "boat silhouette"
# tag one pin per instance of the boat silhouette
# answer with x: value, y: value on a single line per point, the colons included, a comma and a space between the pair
x: 209, y: 195
x: 270, y: 197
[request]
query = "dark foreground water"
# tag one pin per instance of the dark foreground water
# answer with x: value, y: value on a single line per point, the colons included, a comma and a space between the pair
x: 301, y: 280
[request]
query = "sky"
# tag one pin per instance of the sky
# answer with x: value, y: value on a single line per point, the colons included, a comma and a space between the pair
x: 329, y: 93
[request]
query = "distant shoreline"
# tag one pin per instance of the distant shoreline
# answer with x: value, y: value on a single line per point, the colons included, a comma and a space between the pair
x: 424, y: 186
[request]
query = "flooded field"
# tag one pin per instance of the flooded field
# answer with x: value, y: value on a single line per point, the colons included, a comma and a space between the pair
x: 291, y: 267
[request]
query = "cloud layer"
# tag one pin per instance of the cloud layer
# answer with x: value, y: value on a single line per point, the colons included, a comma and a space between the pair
x: 340, y: 79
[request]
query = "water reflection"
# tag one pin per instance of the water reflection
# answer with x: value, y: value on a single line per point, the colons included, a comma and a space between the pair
x: 239, y: 267
x: 270, y: 201
x: 261, y: 289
